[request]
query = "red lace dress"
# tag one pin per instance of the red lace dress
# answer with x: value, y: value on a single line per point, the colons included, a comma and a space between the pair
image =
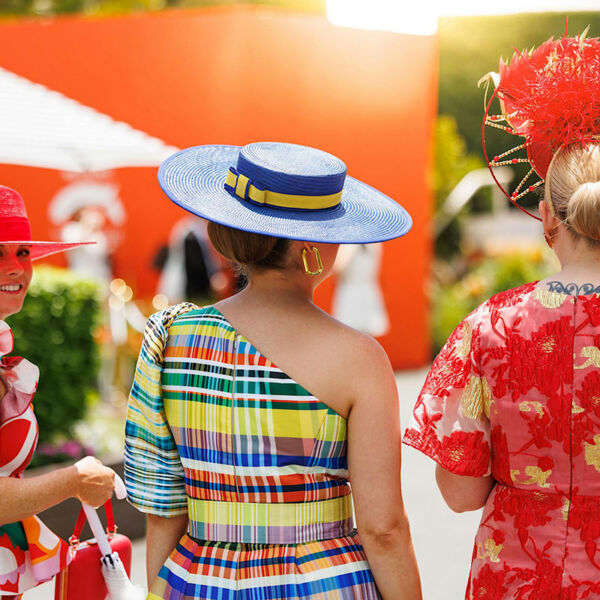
x: 515, y: 392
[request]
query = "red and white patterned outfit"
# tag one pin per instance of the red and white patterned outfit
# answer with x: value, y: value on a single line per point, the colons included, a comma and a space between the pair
x: 29, y: 552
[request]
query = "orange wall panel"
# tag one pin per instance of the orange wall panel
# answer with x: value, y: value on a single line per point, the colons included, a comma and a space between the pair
x: 240, y: 74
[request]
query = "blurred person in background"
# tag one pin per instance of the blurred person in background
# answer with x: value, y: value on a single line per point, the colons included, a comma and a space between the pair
x: 358, y: 299
x: 247, y: 419
x: 190, y: 268
x: 510, y: 409
x: 29, y: 552
x: 90, y: 261
x: 89, y: 209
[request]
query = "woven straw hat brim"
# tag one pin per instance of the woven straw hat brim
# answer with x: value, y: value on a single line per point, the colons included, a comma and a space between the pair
x: 194, y: 179
x: 39, y: 250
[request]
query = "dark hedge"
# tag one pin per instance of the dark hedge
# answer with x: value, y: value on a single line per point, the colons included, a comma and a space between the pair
x: 55, y: 331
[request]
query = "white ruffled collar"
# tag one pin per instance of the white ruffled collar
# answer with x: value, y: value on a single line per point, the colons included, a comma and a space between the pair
x: 20, y: 377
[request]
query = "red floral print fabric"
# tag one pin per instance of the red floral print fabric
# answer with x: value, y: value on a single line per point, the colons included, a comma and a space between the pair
x: 515, y: 392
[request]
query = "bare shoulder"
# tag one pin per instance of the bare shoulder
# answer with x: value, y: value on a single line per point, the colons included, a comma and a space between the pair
x: 335, y: 362
x: 361, y: 376
x: 364, y: 351
x: 359, y: 356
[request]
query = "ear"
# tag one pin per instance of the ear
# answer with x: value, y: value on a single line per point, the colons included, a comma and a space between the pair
x: 549, y: 221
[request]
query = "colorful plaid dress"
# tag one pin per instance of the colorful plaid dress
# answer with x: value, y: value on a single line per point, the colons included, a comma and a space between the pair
x: 217, y: 431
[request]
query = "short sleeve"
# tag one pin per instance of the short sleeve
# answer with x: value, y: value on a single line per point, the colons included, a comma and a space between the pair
x: 154, y: 475
x: 450, y: 421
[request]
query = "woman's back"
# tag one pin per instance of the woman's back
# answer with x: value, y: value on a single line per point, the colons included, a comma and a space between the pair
x: 541, y: 355
x: 248, y: 433
x: 518, y: 385
x: 262, y: 469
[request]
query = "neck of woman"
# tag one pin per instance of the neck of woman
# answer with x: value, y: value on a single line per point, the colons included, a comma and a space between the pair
x: 580, y: 261
x: 294, y: 287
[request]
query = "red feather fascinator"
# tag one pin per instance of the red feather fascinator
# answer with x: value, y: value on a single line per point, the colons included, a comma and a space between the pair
x: 549, y: 96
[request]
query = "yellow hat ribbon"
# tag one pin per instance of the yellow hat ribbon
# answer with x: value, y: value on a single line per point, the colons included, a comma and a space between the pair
x: 243, y: 187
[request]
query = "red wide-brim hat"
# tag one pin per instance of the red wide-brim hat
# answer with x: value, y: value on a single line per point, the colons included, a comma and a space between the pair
x: 16, y: 229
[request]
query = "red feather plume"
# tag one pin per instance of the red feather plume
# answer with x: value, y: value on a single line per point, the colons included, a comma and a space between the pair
x: 551, y: 96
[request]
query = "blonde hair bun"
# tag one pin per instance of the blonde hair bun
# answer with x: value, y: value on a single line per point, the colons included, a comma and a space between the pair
x: 583, y: 210
x: 573, y: 189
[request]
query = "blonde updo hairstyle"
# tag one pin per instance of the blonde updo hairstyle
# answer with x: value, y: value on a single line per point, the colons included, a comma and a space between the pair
x: 573, y: 190
x: 250, y: 251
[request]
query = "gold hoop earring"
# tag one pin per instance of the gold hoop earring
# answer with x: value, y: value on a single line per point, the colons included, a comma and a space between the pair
x: 317, y: 258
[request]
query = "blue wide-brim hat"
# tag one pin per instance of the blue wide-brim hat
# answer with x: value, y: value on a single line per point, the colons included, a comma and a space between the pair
x: 282, y: 190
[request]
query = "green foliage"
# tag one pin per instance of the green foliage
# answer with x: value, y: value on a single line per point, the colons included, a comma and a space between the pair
x: 16, y: 7
x: 452, y: 163
x: 54, y: 330
x: 108, y: 7
x: 455, y: 300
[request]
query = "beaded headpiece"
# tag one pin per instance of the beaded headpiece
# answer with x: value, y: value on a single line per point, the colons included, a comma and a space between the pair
x: 550, y: 97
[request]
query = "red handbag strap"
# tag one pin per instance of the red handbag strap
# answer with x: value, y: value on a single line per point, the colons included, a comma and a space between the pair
x: 74, y: 539
x: 111, y: 527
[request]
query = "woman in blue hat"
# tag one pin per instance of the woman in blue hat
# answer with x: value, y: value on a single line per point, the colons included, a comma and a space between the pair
x: 248, y: 419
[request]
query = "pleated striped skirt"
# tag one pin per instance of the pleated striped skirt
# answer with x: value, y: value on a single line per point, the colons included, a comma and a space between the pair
x: 335, y: 569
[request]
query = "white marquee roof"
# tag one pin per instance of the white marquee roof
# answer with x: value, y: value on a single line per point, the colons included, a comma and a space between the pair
x: 42, y: 128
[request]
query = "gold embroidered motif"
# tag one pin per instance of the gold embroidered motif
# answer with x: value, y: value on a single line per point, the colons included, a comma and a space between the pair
x: 491, y: 550
x: 456, y: 454
x: 578, y: 409
x: 513, y: 474
x: 592, y: 453
x: 548, y: 345
x: 527, y: 406
x: 565, y: 508
x: 549, y: 299
x: 536, y: 476
x: 464, y: 347
x: 487, y: 397
x: 476, y: 398
x: 592, y: 353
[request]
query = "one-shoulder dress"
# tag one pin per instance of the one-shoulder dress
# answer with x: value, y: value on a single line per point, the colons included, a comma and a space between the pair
x: 516, y: 393
x: 29, y: 552
x: 217, y: 431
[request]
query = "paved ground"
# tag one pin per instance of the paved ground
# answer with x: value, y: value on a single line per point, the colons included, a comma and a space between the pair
x: 443, y: 539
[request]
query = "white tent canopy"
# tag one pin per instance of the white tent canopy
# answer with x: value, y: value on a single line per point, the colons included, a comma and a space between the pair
x: 42, y: 128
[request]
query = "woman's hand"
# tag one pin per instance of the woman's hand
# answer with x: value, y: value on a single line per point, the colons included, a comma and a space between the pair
x: 95, y: 482
x: 88, y: 480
